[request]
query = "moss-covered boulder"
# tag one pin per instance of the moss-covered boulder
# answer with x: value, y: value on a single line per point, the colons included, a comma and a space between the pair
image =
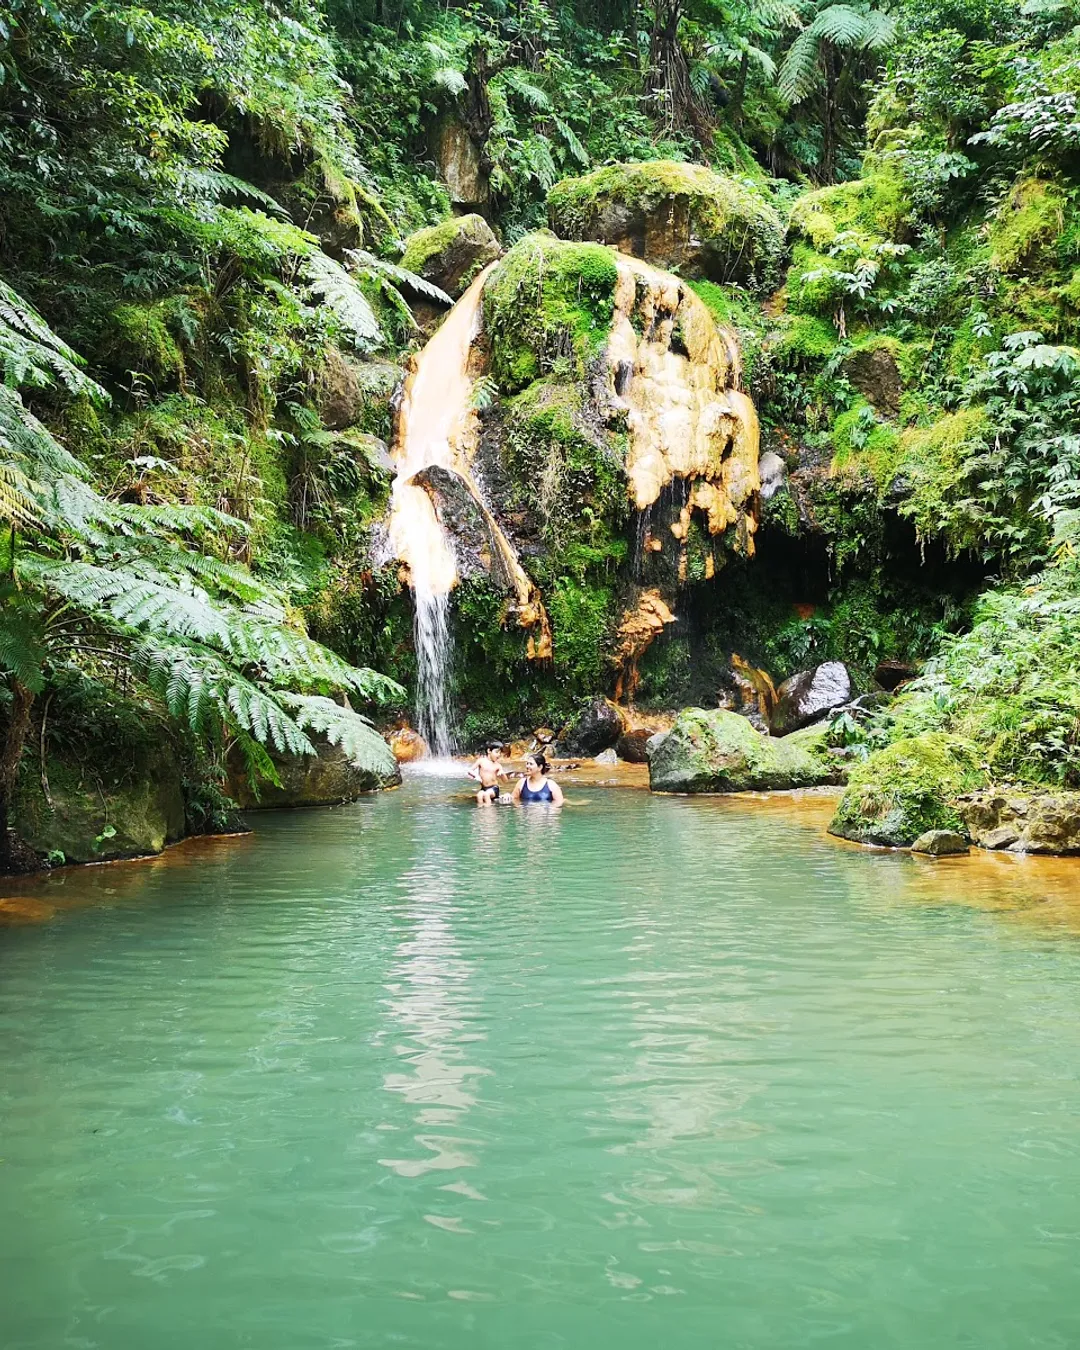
x: 325, y: 779
x: 95, y: 812
x: 712, y: 750
x: 450, y: 254
x: 903, y: 791
x: 681, y: 216
x: 352, y: 393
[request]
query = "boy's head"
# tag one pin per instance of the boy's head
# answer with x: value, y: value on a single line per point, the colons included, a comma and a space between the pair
x: 494, y: 749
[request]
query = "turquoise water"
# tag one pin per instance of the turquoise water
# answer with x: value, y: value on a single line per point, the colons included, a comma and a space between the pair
x: 647, y: 1073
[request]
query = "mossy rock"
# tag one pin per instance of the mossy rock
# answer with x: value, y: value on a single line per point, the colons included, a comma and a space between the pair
x: 677, y: 216
x: 906, y: 789
x: 126, y: 812
x: 548, y: 307
x: 328, y: 778
x: 719, y: 751
x: 352, y: 393
x: 875, y: 207
x: 450, y: 254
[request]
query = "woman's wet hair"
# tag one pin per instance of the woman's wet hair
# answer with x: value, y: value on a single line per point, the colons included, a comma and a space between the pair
x: 540, y: 760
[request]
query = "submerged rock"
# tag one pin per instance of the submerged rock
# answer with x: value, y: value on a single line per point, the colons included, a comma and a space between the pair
x: 809, y: 695
x: 940, y: 843
x: 675, y: 215
x: 325, y: 779
x: 1023, y: 820
x: 719, y: 751
x: 903, y: 791
x: 450, y: 254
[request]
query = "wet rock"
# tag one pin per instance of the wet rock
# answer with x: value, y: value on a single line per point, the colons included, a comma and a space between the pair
x: 874, y: 373
x: 327, y: 778
x: 903, y: 791
x: 407, y: 745
x: 606, y: 757
x: 94, y: 818
x: 597, y: 728
x: 719, y: 751
x: 632, y: 745
x: 809, y: 695
x: 450, y: 254
x: 1023, y: 820
x: 940, y: 843
x: 673, y: 215
x: 773, y: 473
x: 469, y: 524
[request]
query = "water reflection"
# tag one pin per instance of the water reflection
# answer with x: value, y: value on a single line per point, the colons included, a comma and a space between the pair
x: 430, y: 1001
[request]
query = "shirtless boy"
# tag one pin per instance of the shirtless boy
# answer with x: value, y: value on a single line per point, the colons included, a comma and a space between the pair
x: 487, y: 770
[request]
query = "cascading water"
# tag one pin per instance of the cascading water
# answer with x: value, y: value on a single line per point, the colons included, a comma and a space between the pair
x: 435, y: 422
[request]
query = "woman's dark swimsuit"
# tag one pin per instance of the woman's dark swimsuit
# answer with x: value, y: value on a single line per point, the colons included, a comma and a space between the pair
x: 542, y: 794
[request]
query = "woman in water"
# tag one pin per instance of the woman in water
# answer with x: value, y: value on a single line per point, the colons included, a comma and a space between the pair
x: 535, y: 786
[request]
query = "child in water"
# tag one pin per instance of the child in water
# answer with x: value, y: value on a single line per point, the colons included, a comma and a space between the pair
x: 487, y: 771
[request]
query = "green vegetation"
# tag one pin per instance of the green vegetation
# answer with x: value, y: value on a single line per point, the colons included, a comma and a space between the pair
x: 210, y: 204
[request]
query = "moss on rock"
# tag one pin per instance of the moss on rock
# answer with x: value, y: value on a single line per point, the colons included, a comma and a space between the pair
x: 712, y: 750
x: 548, y: 306
x: 906, y: 789
x: 1028, y: 221
x: 451, y: 253
x: 675, y: 215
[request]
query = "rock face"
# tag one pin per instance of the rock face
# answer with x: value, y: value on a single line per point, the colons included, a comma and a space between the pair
x: 773, y: 473
x: 874, y: 373
x: 458, y: 159
x: 1023, y: 821
x: 681, y: 216
x: 91, y: 820
x: 326, y: 779
x: 451, y: 254
x: 940, y: 843
x: 719, y: 751
x: 809, y: 695
x: 905, y: 790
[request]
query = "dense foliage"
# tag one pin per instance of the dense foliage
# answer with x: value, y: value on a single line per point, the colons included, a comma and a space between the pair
x: 210, y: 202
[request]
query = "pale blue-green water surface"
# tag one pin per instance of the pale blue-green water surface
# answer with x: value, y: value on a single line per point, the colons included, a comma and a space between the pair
x: 647, y: 1073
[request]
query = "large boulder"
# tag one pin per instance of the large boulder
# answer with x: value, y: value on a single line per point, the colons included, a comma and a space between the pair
x: 450, y: 254
x: 903, y: 791
x: 633, y: 745
x: 352, y: 393
x: 719, y: 751
x: 596, y: 728
x: 681, y: 216
x: 94, y: 813
x: 809, y: 695
x: 1023, y: 820
x: 327, y: 778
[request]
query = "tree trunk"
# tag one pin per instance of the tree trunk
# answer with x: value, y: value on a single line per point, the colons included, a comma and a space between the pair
x: 18, y: 725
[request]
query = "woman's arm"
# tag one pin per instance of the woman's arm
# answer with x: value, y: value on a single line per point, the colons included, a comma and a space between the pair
x: 556, y: 793
x: 515, y: 796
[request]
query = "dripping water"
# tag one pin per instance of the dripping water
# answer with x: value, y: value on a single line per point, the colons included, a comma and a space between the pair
x: 434, y: 661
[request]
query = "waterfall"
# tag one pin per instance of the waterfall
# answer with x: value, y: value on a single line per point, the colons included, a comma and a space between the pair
x: 436, y: 422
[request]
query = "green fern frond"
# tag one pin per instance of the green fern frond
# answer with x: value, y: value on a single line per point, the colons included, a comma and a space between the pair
x: 339, y: 291
x: 32, y: 354
x: 367, y: 262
